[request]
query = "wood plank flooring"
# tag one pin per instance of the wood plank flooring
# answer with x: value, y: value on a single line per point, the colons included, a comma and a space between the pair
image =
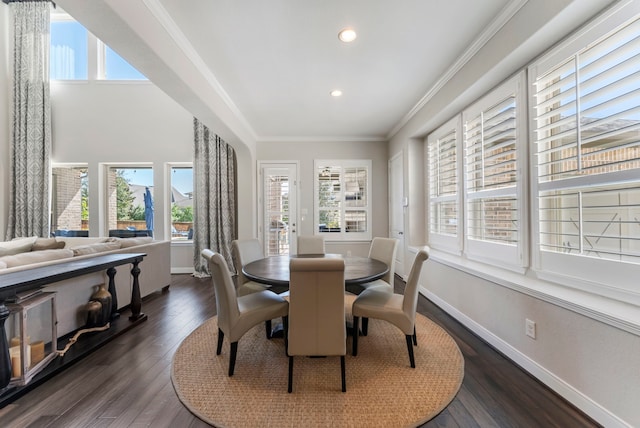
x: 127, y: 382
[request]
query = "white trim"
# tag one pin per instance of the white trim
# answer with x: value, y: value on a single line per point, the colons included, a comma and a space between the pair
x: 173, y: 30
x: 505, y: 15
x: 571, y: 394
x: 182, y: 270
x: 616, y: 313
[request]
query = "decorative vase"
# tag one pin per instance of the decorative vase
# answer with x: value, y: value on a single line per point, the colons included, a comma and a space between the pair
x: 103, y: 296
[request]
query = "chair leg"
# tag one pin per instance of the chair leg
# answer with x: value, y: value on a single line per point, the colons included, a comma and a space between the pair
x: 232, y: 357
x: 290, y: 387
x: 356, y: 333
x: 343, y: 372
x: 285, y: 326
x: 365, y: 326
x: 415, y: 338
x: 220, y: 339
x: 267, y: 327
x: 410, y: 349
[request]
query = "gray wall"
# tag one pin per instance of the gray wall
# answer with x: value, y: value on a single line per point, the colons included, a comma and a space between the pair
x: 306, y: 152
x: 592, y: 363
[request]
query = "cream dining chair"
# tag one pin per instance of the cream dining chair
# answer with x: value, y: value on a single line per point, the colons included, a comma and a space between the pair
x: 398, y: 309
x: 236, y: 315
x: 310, y: 244
x: 245, y: 251
x: 384, y: 249
x: 316, y: 311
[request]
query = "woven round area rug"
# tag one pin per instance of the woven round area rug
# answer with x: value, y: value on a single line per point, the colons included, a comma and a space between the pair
x: 382, y: 389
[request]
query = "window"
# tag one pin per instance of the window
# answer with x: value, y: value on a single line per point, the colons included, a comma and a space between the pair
x: 130, y: 201
x: 443, y: 152
x: 76, y: 54
x: 181, y: 202
x: 585, y: 105
x: 68, y: 56
x: 116, y: 68
x: 70, y: 200
x: 343, y: 210
x: 494, y: 141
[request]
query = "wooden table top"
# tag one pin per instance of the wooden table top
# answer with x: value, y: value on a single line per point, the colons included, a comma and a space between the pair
x: 274, y: 270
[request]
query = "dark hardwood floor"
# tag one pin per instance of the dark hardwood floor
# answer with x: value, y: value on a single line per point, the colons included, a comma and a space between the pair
x: 127, y: 382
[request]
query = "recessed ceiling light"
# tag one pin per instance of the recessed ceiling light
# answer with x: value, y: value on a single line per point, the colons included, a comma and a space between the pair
x: 336, y: 93
x: 347, y: 35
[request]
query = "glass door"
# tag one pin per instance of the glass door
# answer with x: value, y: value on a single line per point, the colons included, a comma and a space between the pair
x: 278, y: 208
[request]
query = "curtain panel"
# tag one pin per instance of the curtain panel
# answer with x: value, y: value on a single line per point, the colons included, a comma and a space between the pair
x: 31, y: 125
x: 214, y: 197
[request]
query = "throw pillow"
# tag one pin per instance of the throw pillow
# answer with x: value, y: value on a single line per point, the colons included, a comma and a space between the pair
x: 16, y: 246
x: 47, y: 244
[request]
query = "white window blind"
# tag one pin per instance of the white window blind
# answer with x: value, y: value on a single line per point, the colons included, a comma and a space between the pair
x: 443, y: 148
x: 493, y: 131
x: 343, y: 188
x: 587, y: 131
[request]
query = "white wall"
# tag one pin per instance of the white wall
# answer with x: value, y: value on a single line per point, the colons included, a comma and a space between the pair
x: 109, y: 122
x: 591, y: 363
x: 306, y: 152
x: 5, y: 85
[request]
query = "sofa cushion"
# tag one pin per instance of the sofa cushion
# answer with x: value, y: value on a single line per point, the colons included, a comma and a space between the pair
x: 47, y: 244
x: 17, y: 246
x: 132, y: 242
x: 3, y: 265
x: 35, y: 257
x: 95, y: 248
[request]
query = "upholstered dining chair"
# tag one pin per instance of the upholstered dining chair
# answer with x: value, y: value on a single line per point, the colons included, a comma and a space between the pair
x: 236, y: 315
x: 310, y: 244
x: 316, y: 311
x: 383, y: 249
x: 245, y: 251
x: 398, y: 309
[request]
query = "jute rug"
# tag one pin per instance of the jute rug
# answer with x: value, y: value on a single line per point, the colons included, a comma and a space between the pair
x: 382, y: 389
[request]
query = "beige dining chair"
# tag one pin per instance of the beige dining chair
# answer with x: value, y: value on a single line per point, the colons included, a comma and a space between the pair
x: 383, y: 249
x: 398, y: 309
x: 245, y: 251
x: 236, y: 315
x: 316, y: 311
x: 311, y: 244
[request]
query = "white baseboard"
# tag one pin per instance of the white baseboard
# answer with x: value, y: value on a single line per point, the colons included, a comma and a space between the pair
x: 568, y: 392
x: 179, y: 270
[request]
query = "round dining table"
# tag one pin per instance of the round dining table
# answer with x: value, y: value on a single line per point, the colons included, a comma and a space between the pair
x: 274, y: 270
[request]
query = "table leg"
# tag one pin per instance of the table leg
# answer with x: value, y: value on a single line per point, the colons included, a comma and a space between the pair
x: 111, y: 273
x: 136, y: 300
x: 5, y: 361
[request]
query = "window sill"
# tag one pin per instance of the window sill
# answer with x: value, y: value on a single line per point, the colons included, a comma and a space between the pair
x: 612, y: 312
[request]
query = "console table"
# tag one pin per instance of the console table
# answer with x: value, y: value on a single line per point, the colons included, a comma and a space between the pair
x: 32, y: 279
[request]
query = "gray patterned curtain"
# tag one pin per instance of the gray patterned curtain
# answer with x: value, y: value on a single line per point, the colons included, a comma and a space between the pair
x: 214, y: 197
x: 31, y: 130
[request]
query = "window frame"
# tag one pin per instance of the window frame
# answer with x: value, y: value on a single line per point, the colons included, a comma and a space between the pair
x: 513, y: 257
x: 343, y: 234
x: 442, y: 241
x: 608, y: 278
x: 52, y: 208
x: 168, y: 219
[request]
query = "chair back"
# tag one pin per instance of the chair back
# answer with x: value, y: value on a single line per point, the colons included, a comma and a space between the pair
x: 410, y: 300
x: 310, y: 244
x: 316, y: 307
x: 384, y: 249
x: 226, y: 299
x: 245, y: 251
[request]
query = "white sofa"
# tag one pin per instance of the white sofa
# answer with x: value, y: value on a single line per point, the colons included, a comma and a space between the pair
x: 74, y: 294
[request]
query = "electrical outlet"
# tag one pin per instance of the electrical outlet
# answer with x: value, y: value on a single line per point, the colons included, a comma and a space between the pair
x: 530, y: 328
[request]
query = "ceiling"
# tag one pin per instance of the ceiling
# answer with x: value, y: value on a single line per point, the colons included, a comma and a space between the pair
x: 268, y: 66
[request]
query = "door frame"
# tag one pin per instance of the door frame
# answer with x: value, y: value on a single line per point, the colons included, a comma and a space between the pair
x: 294, y: 226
